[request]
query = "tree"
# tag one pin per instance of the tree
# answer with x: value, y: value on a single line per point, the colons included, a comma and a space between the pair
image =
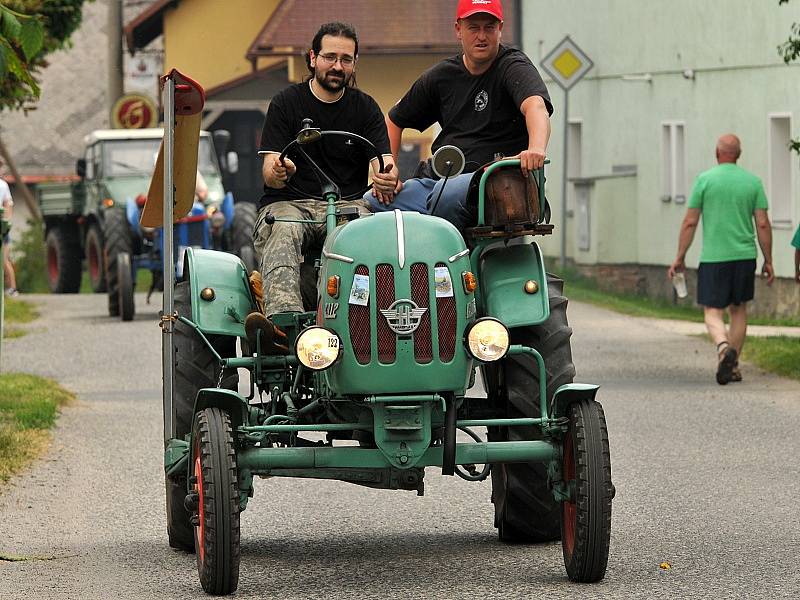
x: 790, y: 49
x: 29, y: 31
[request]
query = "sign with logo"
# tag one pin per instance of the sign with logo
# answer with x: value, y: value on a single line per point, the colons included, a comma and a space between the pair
x: 141, y: 74
x: 134, y: 111
x: 567, y: 63
x: 404, y: 316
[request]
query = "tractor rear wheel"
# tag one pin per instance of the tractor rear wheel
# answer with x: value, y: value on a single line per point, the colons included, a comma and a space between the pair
x: 93, y: 247
x: 195, y: 368
x: 525, y: 508
x: 216, y: 533
x: 118, y: 239
x: 63, y: 259
x: 586, y: 470
x: 125, y: 286
x: 244, y: 220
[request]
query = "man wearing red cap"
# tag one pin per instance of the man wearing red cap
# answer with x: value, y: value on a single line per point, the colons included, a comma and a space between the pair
x: 488, y: 100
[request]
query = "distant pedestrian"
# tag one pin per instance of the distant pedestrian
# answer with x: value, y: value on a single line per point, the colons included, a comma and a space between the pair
x: 796, y: 244
x: 729, y: 200
x: 8, y: 267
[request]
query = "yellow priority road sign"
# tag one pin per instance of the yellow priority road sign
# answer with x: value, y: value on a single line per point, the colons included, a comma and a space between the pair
x: 567, y: 63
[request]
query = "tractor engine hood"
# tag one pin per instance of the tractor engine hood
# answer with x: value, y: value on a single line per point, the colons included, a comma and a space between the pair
x: 400, y: 305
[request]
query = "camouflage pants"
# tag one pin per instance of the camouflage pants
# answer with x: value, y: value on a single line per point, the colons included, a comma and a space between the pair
x: 282, y: 244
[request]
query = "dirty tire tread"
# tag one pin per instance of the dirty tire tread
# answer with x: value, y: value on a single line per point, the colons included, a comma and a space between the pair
x: 244, y: 220
x: 525, y: 508
x: 195, y: 365
x: 64, y: 242
x: 180, y: 531
x: 118, y: 238
x: 594, y: 491
x: 219, y: 571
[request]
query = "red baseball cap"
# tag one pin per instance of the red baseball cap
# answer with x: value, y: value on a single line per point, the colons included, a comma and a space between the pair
x: 467, y: 8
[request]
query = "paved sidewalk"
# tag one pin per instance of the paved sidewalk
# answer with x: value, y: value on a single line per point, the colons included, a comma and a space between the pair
x: 691, y: 328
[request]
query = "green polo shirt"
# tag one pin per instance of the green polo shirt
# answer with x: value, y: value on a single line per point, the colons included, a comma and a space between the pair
x: 796, y: 239
x: 727, y: 195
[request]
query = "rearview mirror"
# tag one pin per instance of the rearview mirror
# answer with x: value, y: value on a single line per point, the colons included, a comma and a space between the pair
x: 448, y: 161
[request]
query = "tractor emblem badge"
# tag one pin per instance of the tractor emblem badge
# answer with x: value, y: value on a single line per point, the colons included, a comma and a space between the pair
x: 404, y: 316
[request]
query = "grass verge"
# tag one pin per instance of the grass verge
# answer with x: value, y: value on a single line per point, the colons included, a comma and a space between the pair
x: 779, y: 355
x: 28, y: 409
x: 16, y: 312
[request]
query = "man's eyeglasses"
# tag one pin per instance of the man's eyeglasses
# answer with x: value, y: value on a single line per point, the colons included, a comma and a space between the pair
x: 331, y: 59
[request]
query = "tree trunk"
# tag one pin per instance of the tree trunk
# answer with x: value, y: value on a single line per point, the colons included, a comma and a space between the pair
x: 30, y: 201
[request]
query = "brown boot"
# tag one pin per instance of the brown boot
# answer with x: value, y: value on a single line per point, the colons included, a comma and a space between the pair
x: 273, y: 340
x: 727, y: 362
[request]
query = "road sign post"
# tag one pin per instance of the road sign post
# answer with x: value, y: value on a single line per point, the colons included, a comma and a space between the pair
x: 567, y: 64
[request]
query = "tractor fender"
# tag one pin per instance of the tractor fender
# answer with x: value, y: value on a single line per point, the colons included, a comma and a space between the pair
x: 226, y: 400
x: 227, y: 209
x: 569, y: 393
x: 221, y: 311
x: 504, y: 271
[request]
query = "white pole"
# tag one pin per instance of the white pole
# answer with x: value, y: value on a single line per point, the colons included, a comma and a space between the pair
x: 167, y: 324
x: 564, y: 183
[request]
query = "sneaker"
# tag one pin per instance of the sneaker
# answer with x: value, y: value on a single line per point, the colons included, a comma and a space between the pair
x: 12, y: 292
x: 727, y: 363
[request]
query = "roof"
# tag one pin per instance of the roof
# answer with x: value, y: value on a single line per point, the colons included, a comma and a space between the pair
x: 383, y: 28
x: 148, y: 25
x: 127, y: 134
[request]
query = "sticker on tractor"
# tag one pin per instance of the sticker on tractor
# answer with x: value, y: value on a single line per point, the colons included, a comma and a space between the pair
x: 471, y: 309
x: 443, y: 282
x: 331, y: 309
x: 359, y: 293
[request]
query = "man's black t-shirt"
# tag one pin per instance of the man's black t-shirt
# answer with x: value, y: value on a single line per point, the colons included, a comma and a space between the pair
x: 344, y: 160
x: 480, y: 114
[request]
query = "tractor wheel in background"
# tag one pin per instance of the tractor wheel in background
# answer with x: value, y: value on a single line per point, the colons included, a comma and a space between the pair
x: 525, y: 508
x: 244, y: 220
x: 95, y: 265
x: 586, y: 517
x: 63, y: 259
x: 216, y: 533
x: 125, y: 286
x: 118, y: 239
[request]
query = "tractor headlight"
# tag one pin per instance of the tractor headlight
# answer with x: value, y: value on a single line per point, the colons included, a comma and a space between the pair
x: 317, y: 348
x: 487, y: 340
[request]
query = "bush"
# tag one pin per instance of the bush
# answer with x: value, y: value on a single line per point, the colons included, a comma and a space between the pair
x: 30, y: 260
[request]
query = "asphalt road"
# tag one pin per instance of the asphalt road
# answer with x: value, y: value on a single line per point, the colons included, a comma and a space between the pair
x: 707, y: 479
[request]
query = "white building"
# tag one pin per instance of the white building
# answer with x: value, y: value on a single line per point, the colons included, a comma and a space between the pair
x: 668, y: 79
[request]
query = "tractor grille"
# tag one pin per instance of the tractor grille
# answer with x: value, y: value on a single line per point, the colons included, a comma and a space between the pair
x: 359, y: 326
x: 420, y: 294
x: 384, y: 297
x: 446, y: 309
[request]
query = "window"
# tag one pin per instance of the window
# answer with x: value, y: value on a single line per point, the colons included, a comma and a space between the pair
x: 779, y: 191
x: 673, y: 161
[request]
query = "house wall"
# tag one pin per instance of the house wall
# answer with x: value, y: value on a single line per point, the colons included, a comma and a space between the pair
x: 712, y: 66
x: 208, y: 39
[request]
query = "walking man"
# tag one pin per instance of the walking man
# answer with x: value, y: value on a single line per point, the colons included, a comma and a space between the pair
x: 796, y: 244
x: 729, y: 199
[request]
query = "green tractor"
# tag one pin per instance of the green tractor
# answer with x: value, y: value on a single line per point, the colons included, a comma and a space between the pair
x: 408, y: 310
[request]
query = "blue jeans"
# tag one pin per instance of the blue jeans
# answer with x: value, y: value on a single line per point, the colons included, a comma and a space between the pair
x: 420, y: 195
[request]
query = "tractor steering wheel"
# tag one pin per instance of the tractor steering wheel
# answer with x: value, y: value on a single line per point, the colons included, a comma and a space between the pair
x: 309, y: 135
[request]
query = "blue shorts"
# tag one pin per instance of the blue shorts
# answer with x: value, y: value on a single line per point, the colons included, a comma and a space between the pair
x: 721, y: 284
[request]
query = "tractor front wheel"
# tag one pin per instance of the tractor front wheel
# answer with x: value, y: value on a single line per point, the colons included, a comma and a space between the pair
x: 216, y: 532
x: 586, y: 471
x: 244, y: 220
x: 125, y: 286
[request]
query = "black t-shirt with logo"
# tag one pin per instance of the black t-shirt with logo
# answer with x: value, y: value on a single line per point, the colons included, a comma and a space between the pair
x: 480, y: 114
x: 344, y: 160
